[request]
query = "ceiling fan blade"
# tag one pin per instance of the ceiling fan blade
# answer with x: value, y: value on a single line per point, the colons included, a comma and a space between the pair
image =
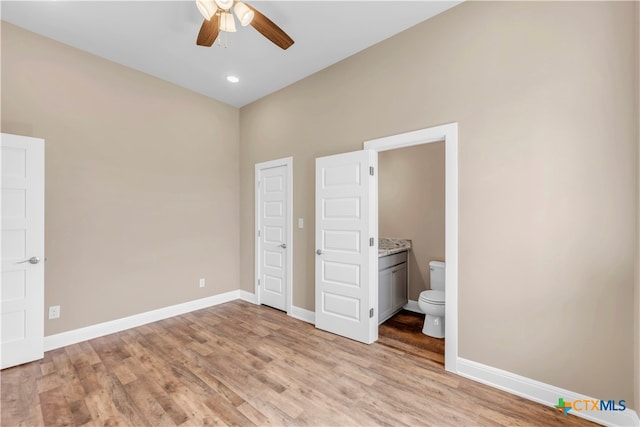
x: 267, y: 28
x: 209, y: 31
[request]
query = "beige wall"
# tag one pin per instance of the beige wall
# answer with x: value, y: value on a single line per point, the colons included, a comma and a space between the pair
x: 543, y: 94
x: 141, y: 181
x: 411, y: 206
x: 636, y: 353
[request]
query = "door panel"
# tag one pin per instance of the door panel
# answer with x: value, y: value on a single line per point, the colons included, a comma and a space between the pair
x: 399, y: 286
x: 273, y: 225
x: 342, y: 241
x: 346, y: 280
x: 384, y: 294
x: 341, y: 273
x: 342, y: 208
x: 22, y: 292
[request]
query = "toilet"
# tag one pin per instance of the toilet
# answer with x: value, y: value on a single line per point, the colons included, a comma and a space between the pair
x: 431, y: 302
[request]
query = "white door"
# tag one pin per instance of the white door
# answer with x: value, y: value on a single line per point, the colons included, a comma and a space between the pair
x: 347, y: 245
x: 22, y: 295
x: 272, y: 259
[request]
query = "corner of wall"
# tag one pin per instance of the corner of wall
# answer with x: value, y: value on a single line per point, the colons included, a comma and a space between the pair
x: 179, y: 195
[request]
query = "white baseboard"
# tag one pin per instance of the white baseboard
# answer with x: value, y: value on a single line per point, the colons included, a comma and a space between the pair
x: 295, y: 312
x: 94, y: 331
x: 248, y: 297
x: 412, y: 305
x: 302, y: 314
x: 542, y: 393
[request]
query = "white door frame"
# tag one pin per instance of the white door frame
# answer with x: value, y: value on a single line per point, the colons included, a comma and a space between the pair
x: 449, y: 134
x: 288, y: 162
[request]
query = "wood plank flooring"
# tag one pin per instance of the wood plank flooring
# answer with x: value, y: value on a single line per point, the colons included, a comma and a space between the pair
x: 403, y: 331
x: 242, y: 364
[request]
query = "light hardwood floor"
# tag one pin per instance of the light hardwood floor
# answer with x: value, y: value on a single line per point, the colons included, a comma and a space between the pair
x: 241, y: 364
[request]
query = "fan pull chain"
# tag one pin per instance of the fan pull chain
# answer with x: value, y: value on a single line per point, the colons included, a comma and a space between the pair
x: 223, y: 34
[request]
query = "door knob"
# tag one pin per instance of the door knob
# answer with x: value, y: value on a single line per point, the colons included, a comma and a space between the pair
x: 32, y: 260
x: 319, y: 252
x: 283, y: 246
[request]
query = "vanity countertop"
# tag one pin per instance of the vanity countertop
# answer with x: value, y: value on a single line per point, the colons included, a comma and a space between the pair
x: 391, y: 245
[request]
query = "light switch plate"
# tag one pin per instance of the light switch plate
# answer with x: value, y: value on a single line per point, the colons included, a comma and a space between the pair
x: 300, y: 222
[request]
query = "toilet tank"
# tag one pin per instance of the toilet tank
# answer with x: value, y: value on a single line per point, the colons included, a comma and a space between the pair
x: 436, y: 274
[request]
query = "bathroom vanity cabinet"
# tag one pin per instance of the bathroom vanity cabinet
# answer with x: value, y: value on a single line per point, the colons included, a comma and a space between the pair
x: 392, y: 284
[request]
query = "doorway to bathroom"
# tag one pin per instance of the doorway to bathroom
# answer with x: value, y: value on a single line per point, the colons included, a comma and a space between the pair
x: 347, y: 264
x: 411, y: 222
x: 447, y: 134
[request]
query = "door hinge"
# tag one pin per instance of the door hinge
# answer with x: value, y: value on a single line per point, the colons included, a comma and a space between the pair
x: 370, y: 312
x: 258, y: 233
x: 258, y: 282
x: 370, y: 241
x: 371, y: 170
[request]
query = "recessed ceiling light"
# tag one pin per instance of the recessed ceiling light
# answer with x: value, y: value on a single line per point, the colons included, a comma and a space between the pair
x: 233, y: 79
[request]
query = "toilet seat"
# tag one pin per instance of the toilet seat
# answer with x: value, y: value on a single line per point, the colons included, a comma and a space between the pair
x: 432, y: 297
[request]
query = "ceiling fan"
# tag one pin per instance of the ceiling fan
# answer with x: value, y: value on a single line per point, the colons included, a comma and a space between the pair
x: 218, y: 16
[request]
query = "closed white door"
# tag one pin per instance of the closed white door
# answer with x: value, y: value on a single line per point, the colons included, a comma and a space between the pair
x: 22, y: 297
x: 347, y: 245
x: 273, y: 236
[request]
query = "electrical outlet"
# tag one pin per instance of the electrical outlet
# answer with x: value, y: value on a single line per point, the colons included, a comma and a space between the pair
x: 202, y: 283
x: 54, y: 312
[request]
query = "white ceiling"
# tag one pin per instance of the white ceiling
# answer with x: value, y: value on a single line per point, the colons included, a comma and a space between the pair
x: 159, y: 38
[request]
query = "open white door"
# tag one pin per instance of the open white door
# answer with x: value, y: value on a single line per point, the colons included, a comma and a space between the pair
x: 347, y: 245
x: 22, y: 295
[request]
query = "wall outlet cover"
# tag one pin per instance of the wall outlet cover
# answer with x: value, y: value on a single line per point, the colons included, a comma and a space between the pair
x: 54, y: 312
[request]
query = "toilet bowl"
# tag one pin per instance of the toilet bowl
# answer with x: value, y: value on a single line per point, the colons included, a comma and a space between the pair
x: 432, y: 302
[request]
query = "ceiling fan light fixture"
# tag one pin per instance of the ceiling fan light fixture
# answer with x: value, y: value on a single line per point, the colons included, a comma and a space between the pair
x: 227, y: 22
x: 207, y: 8
x: 224, y: 21
x: 244, y: 14
x: 224, y: 4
